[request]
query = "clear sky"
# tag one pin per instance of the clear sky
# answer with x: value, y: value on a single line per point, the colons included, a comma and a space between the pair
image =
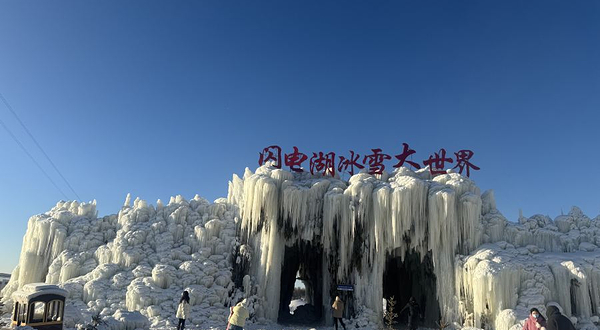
x: 173, y: 97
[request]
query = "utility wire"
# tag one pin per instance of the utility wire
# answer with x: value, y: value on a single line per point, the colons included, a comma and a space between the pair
x: 32, y: 159
x: 38, y: 145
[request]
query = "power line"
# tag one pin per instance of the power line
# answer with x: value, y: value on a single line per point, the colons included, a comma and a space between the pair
x: 31, y: 157
x: 38, y: 145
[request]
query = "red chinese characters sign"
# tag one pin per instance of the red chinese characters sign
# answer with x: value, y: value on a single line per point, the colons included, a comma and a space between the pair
x: 328, y: 163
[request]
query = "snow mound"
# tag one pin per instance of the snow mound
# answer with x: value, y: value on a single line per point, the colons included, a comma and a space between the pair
x: 132, y: 267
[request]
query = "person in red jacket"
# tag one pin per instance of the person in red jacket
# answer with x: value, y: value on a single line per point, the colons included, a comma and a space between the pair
x: 535, y: 321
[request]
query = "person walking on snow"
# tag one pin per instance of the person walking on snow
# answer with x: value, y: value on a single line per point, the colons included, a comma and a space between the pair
x: 238, y: 316
x: 338, y: 311
x: 535, y: 321
x: 557, y: 321
x: 183, y: 310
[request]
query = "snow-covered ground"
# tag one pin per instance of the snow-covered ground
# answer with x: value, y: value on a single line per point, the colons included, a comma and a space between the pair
x: 131, y: 267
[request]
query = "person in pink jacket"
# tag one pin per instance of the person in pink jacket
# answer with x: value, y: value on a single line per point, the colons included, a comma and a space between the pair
x: 535, y: 321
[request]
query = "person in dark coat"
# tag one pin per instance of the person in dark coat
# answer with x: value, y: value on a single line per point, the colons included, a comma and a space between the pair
x: 557, y: 321
x: 535, y: 320
x: 414, y: 311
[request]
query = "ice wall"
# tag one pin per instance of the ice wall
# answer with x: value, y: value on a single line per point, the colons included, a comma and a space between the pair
x: 362, y: 221
x: 49, y: 234
x: 357, y: 223
x: 139, y: 260
x: 530, y: 264
x: 132, y: 266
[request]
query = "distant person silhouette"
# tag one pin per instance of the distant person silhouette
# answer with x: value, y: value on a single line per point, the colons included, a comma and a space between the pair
x: 338, y: 312
x: 183, y: 310
x: 414, y: 310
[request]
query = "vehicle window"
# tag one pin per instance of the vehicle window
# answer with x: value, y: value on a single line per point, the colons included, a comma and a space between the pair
x: 50, y: 312
x: 54, y: 311
x: 16, y: 312
x: 38, y: 312
x: 22, y: 313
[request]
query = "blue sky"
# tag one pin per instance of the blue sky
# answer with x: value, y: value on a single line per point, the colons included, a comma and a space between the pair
x: 166, y: 98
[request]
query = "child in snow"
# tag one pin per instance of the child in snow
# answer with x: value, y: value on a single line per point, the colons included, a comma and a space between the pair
x: 535, y: 321
x: 183, y: 310
x: 238, y: 316
x: 338, y: 311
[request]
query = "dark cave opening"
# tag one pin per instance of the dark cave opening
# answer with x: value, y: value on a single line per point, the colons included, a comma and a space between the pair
x: 302, y: 262
x: 411, y: 277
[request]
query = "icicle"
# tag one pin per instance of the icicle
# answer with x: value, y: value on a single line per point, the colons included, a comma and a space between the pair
x: 127, y: 201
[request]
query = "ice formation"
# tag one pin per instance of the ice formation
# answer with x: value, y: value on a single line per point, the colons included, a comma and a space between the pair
x: 132, y: 267
x: 483, y: 271
x: 531, y: 264
x: 357, y: 223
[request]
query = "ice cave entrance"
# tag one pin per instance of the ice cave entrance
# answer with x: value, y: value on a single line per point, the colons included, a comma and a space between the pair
x: 299, y: 295
x: 411, y: 277
x: 302, y: 269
